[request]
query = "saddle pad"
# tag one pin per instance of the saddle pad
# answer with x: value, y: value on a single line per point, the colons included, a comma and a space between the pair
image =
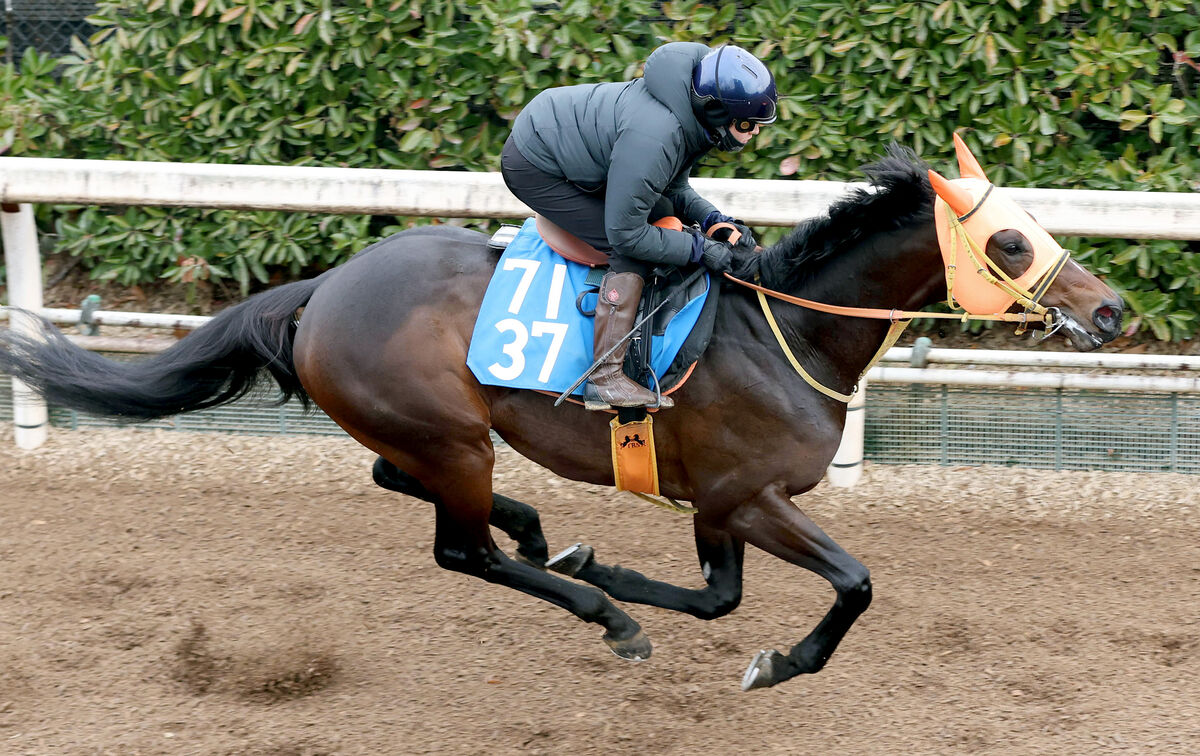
x: 529, y: 333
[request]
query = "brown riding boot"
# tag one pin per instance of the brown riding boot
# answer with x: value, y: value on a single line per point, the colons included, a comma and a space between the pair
x: 616, y: 312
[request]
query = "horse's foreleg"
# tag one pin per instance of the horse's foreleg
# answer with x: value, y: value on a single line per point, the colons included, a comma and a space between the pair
x: 517, y: 519
x: 720, y: 562
x: 771, y: 522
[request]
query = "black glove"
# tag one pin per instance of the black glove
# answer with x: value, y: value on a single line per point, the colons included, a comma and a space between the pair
x: 745, y: 243
x: 717, y: 256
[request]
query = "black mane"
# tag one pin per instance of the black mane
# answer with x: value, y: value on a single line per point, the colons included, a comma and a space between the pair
x: 899, y: 196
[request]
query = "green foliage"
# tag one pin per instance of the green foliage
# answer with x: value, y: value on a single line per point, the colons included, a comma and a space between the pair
x: 1099, y: 94
x: 23, y: 125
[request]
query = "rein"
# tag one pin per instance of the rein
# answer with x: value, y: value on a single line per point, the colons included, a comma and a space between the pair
x: 1033, y: 312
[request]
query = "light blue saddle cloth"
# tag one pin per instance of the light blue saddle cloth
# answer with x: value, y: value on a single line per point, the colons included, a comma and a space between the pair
x: 529, y: 334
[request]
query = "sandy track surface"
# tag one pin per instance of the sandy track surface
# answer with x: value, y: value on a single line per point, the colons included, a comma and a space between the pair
x: 168, y: 593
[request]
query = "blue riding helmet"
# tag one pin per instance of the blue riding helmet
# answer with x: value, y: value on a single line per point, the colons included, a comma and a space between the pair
x: 732, y: 87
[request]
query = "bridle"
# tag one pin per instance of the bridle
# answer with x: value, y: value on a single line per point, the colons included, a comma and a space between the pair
x: 1029, y: 297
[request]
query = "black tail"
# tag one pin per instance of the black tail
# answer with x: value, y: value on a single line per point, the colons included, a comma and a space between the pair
x: 216, y: 364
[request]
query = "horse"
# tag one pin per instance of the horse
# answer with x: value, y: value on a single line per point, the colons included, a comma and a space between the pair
x: 380, y: 344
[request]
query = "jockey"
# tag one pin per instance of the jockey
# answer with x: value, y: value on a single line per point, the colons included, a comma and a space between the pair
x: 604, y: 161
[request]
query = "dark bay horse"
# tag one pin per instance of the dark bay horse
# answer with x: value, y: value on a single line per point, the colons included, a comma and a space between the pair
x: 381, y: 347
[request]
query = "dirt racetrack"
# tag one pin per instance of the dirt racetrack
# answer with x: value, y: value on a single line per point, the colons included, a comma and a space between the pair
x: 170, y: 593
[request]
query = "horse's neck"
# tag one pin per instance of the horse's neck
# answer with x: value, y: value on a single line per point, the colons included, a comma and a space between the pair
x: 900, y: 272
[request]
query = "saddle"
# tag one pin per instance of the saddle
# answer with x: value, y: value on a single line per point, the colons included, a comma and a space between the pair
x: 577, y: 250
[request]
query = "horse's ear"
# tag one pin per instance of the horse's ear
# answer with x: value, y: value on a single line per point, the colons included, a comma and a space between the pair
x: 968, y: 166
x: 959, y: 199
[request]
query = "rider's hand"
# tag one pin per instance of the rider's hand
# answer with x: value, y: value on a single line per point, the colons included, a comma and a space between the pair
x: 747, y: 242
x: 717, y: 256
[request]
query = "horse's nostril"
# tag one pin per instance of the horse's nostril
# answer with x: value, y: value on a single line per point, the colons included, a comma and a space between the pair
x: 1107, y: 317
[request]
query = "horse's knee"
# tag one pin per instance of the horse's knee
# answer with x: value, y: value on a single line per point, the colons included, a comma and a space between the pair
x: 855, y: 593
x: 451, y: 558
x: 518, y: 517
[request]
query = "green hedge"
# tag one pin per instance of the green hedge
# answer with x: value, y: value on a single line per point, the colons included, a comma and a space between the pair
x: 1098, y: 95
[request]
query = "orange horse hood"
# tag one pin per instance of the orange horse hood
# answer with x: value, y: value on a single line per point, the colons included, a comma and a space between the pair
x: 970, y: 204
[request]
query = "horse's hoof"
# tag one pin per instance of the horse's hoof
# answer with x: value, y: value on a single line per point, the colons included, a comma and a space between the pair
x: 761, y: 672
x: 636, y: 648
x: 571, y: 560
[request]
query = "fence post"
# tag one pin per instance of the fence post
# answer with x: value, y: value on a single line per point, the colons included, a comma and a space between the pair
x: 846, y: 469
x: 24, y: 265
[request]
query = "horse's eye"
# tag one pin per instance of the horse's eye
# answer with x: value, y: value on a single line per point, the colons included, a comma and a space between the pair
x: 1010, y: 242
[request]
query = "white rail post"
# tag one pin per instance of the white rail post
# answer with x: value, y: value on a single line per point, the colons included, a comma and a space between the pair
x: 847, y: 466
x: 24, y: 264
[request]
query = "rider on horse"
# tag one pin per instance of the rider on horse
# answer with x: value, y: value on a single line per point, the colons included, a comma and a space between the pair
x: 604, y: 161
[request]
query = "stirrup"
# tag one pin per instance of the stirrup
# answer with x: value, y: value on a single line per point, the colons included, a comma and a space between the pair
x: 596, y: 404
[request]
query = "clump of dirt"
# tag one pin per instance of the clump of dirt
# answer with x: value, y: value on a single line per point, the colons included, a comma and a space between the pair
x: 1166, y: 648
x: 287, y: 673
x: 264, y: 671
x: 195, y: 665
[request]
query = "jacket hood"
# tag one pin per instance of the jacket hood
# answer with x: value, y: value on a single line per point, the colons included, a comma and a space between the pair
x: 668, y: 77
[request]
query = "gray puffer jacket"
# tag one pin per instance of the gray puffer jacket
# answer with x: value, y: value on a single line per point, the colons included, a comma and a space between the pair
x: 635, y: 140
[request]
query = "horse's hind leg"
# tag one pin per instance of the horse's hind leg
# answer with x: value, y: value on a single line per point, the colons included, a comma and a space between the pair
x: 461, y: 493
x: 519, y: 520
x: 522, y: 524
x: 720, y: 562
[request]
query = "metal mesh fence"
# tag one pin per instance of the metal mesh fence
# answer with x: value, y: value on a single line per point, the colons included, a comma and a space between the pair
x: 1042, y: 428
x: 906, y: 424
x: 256, y: 414
x: 45, y: 25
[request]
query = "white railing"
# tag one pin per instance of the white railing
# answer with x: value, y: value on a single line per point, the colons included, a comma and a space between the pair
x: 476, y: 195
x: 1071, y: 212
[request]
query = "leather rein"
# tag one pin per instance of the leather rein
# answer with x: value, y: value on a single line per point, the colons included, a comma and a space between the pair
x: 1033, y: 312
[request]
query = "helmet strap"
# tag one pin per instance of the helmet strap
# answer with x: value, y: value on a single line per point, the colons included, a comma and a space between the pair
x: 726, y: 141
